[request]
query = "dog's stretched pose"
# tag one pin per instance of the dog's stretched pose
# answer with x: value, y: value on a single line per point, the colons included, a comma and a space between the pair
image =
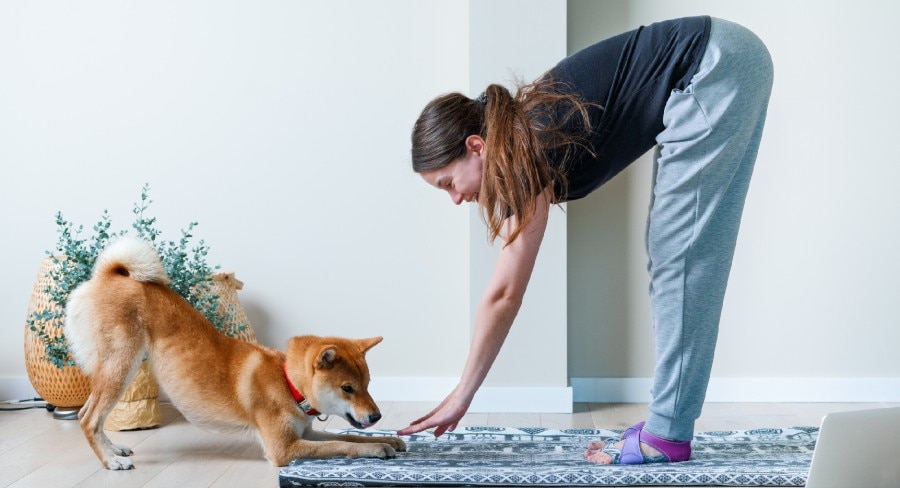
x: 126, y: 312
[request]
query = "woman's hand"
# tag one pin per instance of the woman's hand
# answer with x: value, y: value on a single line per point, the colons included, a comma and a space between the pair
x: 444, y: 417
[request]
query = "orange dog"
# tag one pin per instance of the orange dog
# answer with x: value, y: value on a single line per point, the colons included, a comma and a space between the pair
x: 126, y: 313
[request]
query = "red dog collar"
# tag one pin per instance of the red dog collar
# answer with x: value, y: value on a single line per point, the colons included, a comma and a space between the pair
x: 302, y: 402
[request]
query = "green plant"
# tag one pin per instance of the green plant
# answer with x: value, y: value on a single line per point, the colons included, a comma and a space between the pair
x: 73, y: 261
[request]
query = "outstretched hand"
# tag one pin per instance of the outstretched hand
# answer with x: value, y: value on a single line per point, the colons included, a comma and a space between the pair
x: 444, y: 417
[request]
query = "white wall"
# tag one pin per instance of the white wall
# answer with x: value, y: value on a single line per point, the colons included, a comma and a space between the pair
x: 281, y: 126
x: 811, y: 307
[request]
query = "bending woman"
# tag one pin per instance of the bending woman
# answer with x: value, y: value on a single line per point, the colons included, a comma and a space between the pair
x: 695, y: 89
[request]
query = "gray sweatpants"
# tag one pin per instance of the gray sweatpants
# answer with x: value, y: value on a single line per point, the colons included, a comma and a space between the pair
x: 702, y: 167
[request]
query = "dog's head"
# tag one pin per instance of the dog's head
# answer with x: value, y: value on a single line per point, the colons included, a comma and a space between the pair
x: 332, y: 374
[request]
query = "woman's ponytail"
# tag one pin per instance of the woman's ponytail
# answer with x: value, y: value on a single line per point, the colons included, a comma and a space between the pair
x: 515, y: 167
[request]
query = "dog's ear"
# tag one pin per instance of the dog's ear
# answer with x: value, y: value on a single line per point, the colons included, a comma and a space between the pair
x: 366, y: 344
x: 326, y: 357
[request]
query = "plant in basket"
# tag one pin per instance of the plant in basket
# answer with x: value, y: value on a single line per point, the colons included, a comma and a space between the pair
x: 50, y: 366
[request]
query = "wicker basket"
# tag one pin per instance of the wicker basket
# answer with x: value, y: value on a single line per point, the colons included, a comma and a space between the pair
x: 63, y: 387
x: 226, y: 286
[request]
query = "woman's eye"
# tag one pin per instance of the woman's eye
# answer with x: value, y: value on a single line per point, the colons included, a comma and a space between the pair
x: 347, y: 389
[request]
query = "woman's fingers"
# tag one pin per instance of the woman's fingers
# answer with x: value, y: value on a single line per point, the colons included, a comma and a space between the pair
x: 414, y: 428
x: 445, y: 417
x: 444, y: 429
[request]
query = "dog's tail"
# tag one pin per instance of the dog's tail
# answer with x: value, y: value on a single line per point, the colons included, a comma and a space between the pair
x: 126, y: 256
x: 132, y: 257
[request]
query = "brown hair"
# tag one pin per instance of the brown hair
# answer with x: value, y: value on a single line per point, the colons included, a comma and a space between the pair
x: 519, y: 132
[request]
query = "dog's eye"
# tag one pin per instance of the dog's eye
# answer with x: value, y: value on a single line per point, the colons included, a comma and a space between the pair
x: 347, y: 389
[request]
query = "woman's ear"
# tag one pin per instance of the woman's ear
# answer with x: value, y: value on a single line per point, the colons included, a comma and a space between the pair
x: 475, y: 143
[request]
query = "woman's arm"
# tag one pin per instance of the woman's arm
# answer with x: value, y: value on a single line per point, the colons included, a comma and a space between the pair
x: 495, y: 315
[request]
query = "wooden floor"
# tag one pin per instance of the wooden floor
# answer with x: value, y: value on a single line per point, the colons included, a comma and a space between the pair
x: 38, y: 451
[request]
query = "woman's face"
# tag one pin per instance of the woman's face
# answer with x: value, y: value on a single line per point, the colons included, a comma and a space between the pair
x: 461, y: 178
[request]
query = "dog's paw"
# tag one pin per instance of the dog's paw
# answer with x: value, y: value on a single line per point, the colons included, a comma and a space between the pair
x: 395, y: 442
x: 376, y: 450
x: 119, y: 463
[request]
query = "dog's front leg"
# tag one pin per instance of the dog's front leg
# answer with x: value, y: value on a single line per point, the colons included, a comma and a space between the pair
x: 287, y: 439
x: 395, y: 442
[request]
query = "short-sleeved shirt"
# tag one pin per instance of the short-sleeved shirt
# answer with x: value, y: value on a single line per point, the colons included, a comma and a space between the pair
x: 631, y: 77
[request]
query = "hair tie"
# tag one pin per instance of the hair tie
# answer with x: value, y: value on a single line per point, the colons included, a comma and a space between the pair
x: 482, y: 99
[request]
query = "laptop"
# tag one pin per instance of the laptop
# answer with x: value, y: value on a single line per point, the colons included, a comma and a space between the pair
x: 857, y: 449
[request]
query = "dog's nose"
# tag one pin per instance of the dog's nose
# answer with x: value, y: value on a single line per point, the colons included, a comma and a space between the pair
x: 375, y: 417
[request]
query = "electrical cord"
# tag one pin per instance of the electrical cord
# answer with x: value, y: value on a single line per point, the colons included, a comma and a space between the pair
x: 45, y: 406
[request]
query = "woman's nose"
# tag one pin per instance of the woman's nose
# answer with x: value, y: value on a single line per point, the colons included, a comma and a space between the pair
x: 455, y: 196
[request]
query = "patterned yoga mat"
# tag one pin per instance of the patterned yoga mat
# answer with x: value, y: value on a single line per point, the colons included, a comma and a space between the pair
x: 496, y: 456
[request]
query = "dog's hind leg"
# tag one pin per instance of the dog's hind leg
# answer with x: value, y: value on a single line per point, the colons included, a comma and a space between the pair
x: 109, y: 380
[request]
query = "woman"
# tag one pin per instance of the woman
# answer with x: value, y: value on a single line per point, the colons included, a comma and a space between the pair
x: 697, y: 90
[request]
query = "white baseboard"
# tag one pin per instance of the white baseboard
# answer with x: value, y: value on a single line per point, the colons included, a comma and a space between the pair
x: 837, y: 390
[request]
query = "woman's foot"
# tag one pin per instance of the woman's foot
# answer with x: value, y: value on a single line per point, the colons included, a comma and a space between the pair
x: 638, y: 447
x: 606, y: 453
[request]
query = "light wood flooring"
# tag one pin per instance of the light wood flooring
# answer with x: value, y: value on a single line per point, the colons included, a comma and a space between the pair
x: 38, y: 451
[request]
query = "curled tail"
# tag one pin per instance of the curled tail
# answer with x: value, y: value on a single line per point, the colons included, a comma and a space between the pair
x: 132, y: 257
x: 89, y: 306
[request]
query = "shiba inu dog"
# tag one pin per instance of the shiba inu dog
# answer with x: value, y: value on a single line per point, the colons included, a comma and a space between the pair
x: 126, y: 312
